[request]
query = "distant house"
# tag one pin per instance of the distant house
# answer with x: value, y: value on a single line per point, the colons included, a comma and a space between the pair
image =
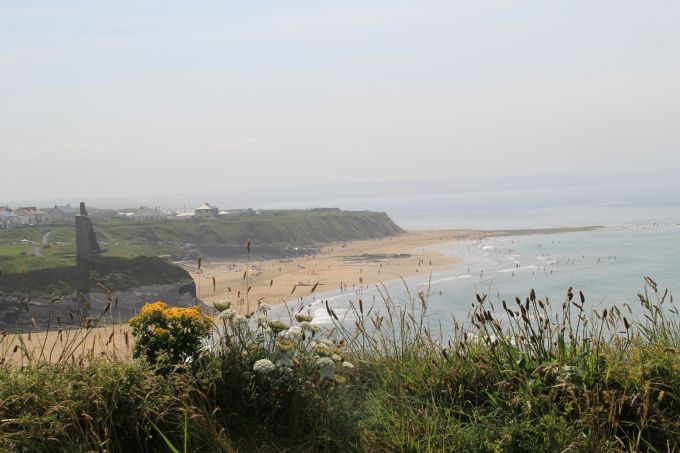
x: 61, y: 213
x: 30, y: 216
x: 8, y: 219
x: 144, y: 213
x: 206, y: 212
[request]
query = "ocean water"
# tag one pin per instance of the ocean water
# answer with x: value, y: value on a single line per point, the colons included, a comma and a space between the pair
x: 505, y: 204
x: 608, y: 265
x: 641, y: 237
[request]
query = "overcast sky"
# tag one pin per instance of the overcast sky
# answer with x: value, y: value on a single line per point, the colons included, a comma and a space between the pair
x: 125, y: 97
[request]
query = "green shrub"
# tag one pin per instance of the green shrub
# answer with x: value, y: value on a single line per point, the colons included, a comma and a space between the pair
x: 171, y: 333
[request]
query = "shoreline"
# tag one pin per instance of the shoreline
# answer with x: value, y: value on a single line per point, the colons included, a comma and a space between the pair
x: 339, y: 266
x: 352, y: 263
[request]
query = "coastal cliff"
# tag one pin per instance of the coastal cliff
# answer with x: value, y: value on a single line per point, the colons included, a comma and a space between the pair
x: 101, y: 291
x: 24, y: 313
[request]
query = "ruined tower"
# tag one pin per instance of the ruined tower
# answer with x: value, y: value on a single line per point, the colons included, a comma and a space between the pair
x: 86, y: 239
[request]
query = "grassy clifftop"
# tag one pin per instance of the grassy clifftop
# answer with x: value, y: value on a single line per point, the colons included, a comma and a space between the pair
x: 288, y: 228
x: 271, y: 232
x: 280, y: 228
x: 113, y: 272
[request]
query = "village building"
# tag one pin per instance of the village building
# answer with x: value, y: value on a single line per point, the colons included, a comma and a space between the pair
x: 206, y: 212
x: 30, y: 216
x: 61, y: 214
x: 147, y: 214
x: 8, y: 219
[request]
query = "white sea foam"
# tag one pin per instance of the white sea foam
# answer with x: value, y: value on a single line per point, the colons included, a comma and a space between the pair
x: 517, y: 269
x: 512, y: 269
x: 447, y: 279
x: 322, y: 318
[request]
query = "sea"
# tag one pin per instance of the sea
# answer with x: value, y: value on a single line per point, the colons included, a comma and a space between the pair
x: 635, y: 238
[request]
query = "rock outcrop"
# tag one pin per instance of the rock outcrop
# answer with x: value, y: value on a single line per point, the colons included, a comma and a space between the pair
x: 23, y: 314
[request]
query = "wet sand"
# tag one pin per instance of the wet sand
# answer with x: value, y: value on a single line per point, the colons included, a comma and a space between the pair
x: 246, y: 284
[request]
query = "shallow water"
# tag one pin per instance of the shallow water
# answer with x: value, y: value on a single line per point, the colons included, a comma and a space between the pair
x: 608, y: 265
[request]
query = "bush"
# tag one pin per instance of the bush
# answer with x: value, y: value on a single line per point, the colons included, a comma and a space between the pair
x: 169, y: 333
x: 283, y: 379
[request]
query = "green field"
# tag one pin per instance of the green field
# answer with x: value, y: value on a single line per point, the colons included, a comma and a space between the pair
x: 20, y: 258
x: 128, y: 239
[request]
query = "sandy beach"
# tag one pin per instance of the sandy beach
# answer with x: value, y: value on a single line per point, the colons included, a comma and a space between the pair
x: 348, y: 264
x: 345, y: 265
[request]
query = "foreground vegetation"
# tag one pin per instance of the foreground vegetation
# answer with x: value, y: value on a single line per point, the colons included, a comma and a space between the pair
x: 522, y: 376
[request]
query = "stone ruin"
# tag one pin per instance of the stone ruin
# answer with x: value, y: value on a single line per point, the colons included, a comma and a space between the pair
x: 86, y: 306
x: 86, y: 239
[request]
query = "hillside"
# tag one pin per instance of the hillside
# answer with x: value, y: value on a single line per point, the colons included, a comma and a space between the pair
x: 273, y: 233
x: 114, y: 273
x: 274, y: 228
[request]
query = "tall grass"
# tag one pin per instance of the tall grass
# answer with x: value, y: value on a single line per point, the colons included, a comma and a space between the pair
x: 524, y: 375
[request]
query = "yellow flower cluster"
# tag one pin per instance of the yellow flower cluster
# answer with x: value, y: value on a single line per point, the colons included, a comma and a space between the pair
x: 177, y: 332
x: 152, y: 308
x: 160, y: 331
x: 189, y: 312
x: 171, y: 313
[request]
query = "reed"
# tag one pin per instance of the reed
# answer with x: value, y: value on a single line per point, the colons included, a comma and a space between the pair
x: 523, y: 375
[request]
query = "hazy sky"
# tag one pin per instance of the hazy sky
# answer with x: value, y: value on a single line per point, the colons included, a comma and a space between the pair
x: 144, y: 96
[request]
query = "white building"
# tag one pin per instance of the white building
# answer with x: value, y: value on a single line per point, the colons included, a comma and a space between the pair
x: 8, y: 219
x: 30, y: 215
x: 148, y: 214
x: 206, y: 211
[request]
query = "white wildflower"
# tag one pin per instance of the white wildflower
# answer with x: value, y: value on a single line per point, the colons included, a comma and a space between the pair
x: 336, y: 358
x: 284, y: 361
x: 240, y: 321
x: 305, y: 325
x: 293, y: 332
x: 326, y: 367
x: 263, y: 309
x: 262, y: 320
x: 227, y: 314
x: 264, y: 366
x: 222, y: 305
x: 324, y: 350
x: 326, y: 342
x: 302, y: 317
x: 348, y: 365
x: 259, y: 337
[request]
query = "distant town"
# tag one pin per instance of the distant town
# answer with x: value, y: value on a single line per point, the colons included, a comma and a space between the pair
x: 25, y: 216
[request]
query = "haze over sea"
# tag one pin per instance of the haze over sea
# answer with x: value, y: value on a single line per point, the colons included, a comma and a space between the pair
x: 640, y: 237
